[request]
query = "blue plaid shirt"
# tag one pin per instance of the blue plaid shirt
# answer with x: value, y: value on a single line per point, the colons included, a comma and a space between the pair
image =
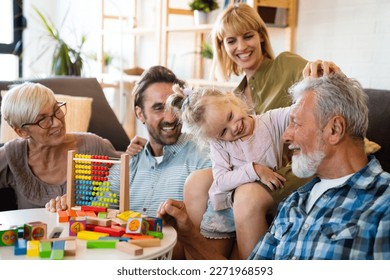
x: 348, y: 222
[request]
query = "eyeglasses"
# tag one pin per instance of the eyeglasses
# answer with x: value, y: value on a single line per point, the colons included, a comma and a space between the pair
x: 47, y: 122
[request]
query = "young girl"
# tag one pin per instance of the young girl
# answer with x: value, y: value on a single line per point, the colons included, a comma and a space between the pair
x: 245, y: 149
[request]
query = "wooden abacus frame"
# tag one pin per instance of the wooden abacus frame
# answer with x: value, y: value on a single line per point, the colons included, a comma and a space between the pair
x: 124, y: 178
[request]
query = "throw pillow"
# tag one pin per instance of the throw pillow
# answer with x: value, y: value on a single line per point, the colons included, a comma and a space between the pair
x: 79, y: 110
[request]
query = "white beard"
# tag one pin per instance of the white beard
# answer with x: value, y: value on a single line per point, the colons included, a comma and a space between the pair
x: 306, y: 165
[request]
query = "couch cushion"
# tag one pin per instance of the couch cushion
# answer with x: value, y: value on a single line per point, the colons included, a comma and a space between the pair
x: 77, y: 117
x: 379, y: 124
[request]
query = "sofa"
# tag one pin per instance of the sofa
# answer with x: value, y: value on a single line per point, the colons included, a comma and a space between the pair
x: 102, y: 121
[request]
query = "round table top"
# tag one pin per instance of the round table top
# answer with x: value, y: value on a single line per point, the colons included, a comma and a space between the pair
x: 20, y: 217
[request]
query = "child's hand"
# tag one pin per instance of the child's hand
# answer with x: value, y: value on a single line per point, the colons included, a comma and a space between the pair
x: 136, y: 145
x: 268, y: 177
x: 56, y: 204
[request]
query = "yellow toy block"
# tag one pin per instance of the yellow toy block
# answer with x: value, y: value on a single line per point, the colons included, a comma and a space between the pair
x: 90, y: 235
x: 33, y: 248
x: 128, y: 214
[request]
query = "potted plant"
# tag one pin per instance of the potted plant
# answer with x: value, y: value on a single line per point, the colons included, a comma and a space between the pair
x: 201, y: 9
x: 66, y: 60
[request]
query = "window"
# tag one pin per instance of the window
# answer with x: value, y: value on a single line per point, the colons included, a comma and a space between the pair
x: 11, y: 40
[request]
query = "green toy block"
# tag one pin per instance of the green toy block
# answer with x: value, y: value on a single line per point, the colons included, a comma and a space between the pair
x: 57, y: 255
x: 45, y: 249
x: 8, y: 237
x: 101, y: 244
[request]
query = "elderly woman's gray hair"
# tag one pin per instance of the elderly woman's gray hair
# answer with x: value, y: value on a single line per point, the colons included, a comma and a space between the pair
x: 22, y: 103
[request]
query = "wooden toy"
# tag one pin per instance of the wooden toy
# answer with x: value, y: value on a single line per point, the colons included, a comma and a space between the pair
x: 8, y: 237
x: 55, y: 232
x: 152, y: 242
x: 44, y: 249
x: 155, y: 234
x: 124, y: 216
x: 137, y: 225
x: 57, y: 252
x: 155, y: 224
x: 35, y: 231
x: 32, y: 248
x: 62, y: 216
x: 88, y: 184
x: 98, y: 221
x: 111, y: 231
x: 70, y: 248
x: 90, y: 235
x: 129, y: 248
x: 20, y: 247
x: 77, y: 224
x: 101, y: 244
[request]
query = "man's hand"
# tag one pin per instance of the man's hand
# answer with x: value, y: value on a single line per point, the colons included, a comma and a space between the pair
x: 136, y: 145
x: 174, y: 213
x: 320, y: 68
x: 56, y: 204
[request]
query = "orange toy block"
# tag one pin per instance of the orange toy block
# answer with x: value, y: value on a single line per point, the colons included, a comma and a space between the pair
x: 80, y: 213
x: 90, y: 213
x: 71, y: 213
x: 62, y: 216
x: 129, y: 248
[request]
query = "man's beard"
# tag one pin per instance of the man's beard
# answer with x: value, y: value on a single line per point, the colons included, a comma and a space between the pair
x: 306, y: 165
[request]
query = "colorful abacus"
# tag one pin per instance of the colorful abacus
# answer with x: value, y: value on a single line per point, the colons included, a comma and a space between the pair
x: 88, y: 182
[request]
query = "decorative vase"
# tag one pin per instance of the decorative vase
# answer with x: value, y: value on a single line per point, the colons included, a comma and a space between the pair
x: 200, y: 17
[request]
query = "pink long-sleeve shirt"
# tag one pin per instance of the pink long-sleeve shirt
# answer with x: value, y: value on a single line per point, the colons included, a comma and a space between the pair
x: 233, y: 161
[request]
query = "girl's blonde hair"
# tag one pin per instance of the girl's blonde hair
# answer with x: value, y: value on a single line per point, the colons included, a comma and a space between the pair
x: 238, y: 19
x: 190, y: 107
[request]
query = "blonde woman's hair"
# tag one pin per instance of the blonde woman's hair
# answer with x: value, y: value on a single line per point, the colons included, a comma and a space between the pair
x: 190, y: 108
x: 22, y: 103
x: 238, y: 19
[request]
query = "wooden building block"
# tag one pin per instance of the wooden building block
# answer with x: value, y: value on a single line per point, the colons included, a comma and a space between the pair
x: 33, y: 248
x: 45, y: 249
x: 35, y: 231
x: 152, y: 242
x: 110, y: 231
x: 8, y: 237
x: 90, y: 235
x: 95, y: 209
x: 20, y: 247
x: 81, y: 213
x: 90, y: 213
x: 70, y: 248
x: 71, y: 213
x: 98, y: 221
x: 129, y: 248
x: 101, y: 244
x: 57, y: 255
x: 62, y: 216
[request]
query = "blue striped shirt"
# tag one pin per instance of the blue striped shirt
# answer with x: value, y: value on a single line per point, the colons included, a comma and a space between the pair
x: 348, y: 222
x: 151, y: 183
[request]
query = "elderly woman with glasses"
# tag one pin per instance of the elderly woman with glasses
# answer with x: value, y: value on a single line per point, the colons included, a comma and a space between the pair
x: 34, y: 164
